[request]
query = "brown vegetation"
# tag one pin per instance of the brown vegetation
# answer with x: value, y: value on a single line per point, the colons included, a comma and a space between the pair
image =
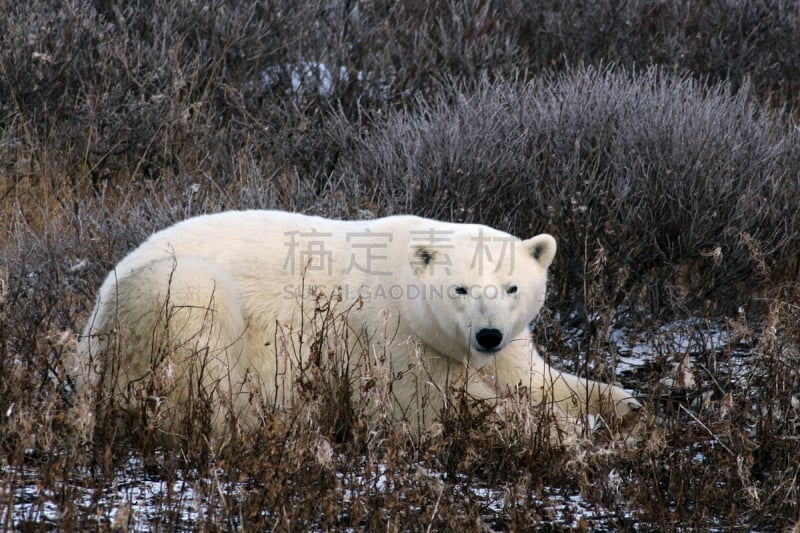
x: 673, y: 191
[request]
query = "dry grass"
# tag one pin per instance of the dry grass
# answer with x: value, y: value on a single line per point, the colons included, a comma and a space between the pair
x: 674, y: 198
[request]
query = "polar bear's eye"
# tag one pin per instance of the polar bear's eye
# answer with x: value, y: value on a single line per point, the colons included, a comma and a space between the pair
x: 511, y: 289
x: 461, y: 290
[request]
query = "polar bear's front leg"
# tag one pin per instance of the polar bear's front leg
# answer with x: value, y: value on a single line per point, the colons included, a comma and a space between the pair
x: 579, y: 396
x: 520, y: 364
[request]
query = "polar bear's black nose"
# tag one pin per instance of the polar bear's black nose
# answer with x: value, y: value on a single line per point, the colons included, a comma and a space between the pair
x: 489, y: 338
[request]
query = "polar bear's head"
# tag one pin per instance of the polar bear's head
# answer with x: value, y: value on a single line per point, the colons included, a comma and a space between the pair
x: 479, y: 289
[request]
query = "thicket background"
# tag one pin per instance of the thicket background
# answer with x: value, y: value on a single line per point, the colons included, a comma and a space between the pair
x: 657, y: 139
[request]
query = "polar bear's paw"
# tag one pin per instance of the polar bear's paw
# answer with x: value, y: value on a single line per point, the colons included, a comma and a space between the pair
x: 623, y: 404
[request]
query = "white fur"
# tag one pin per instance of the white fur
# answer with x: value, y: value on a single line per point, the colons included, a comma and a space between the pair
x: 226, y: 307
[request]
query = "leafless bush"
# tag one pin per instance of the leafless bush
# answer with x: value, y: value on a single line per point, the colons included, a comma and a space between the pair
x: 687, y: 192
x: 154, y: 90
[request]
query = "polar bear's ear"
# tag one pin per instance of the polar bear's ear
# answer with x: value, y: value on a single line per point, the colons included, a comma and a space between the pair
x: 542, y: 248
x: 421, y: 257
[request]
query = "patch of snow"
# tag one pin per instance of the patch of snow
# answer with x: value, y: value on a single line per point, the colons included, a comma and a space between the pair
x: 306, y: 77
x: 129, y: 502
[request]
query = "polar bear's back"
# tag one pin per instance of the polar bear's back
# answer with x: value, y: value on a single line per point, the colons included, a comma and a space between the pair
x: 227, y: 239
x: 239, y: 239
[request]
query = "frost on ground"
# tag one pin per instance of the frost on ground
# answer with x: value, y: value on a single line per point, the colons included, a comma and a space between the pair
x: 135, y: 501
x: 684, y: 352
x: 131, y: 498
x: 686, y: 356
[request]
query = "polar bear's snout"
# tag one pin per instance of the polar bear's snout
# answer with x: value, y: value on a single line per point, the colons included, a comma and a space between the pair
x: 489, y: 338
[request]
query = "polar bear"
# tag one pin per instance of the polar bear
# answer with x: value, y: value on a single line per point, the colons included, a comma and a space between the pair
x: 219, y: 316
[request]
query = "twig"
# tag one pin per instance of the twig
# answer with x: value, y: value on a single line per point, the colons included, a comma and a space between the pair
x: 707, y: 429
